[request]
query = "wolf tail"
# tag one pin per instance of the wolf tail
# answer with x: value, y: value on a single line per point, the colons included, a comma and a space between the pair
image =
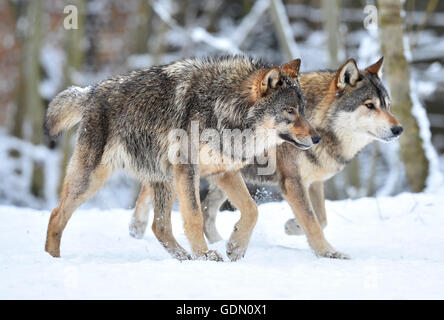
x: 65, y: 110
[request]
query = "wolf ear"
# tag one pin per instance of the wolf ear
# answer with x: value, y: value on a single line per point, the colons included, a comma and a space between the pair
x: 348, y: 74
x: 376, y: 68
x: 291, y: 69
x: 269, y: 80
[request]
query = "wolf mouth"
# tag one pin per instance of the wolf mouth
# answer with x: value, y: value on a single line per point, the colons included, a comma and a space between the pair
x: 287, y: 138
x: 383, y: 139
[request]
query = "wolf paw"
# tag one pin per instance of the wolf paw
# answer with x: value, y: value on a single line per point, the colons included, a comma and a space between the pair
x: 53, y: 253
x: 181, y: 255
x: 211, y: 255
x: 333, y: 254
x: 235, y: 251
x: 293, y: 228
x: 137, y: 228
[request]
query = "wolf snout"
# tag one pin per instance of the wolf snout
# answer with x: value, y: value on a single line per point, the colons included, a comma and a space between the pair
x: 397, y: 130
x: 317, y: 138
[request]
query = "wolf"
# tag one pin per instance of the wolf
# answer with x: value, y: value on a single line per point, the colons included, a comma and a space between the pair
x: 349, y: 108
x: 125, y: 122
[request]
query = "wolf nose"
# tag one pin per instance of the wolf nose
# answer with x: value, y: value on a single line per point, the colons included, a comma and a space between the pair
x: 397, y: 130
x: 316, y: 139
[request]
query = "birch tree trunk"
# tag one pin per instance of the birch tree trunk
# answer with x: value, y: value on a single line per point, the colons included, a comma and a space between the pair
x: 30, y: 105
x: 331, y: 20
x: 20, y: 111
x: 396, y: 70
x: 143, y: 28
x: 331, y: 12
x: 283, y: 29
x: 74, y: 61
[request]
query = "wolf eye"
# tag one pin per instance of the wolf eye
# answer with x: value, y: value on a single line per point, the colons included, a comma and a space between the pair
x: 290, y: 110
x: 370, y: 105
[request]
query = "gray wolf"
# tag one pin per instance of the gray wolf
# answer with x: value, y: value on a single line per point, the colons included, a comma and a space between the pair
x: 125, y: 122
x: 349, y: 108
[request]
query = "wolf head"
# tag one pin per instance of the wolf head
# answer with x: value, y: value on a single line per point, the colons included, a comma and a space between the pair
x: 362, y: 104
x: 280, y: 103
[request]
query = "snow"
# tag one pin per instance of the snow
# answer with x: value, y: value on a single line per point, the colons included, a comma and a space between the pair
x: 197, y: 34
x: 224, y: 44
x: 435, y: 178
x: 250, y: 21
x: 395, y: 244
x: 279, y: 9
x: 16, y: 172
x: 52, y: 60
x: 16, y: 176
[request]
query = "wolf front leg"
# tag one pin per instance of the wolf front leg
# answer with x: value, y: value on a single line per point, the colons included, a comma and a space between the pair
x: 234, y: 187
x: 297, y: 196
x: 317, y: 199
x: 210, y: 206
x: 186, y: 178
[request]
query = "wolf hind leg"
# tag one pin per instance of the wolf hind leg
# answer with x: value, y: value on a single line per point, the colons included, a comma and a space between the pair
x: 139, y: 220
x: 186, y: 179
x: 163, y: 196
x: 80, y: 184
x: 210, y: 207
x: 317, y: 199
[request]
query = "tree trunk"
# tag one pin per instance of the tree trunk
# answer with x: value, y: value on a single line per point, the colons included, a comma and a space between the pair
x: 30, y: 105
x: 331, y: 13
x: 74, y: 61
x: 283, y: 29
x: 331, y: 10
x: 398, y: 75
x: 143, y: 28
x: 371, y: 191
x: 160, y: 49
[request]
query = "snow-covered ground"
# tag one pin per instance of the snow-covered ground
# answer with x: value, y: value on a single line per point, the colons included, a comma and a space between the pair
x: 396, y: 245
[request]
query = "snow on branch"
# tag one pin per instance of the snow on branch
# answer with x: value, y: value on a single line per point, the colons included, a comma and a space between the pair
x: 249, y: 21
x: 233, y: 44
x: 197, y: 34
x: 284, y: 31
